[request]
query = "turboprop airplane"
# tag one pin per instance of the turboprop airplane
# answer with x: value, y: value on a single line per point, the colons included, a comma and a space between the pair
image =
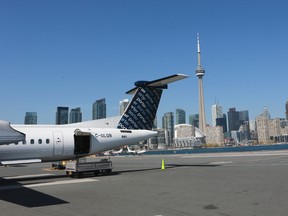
x: 141, y: 152
x: 45, y: 143
x: 136, y: 152
x: 131, y: 151
x: 112, y: 152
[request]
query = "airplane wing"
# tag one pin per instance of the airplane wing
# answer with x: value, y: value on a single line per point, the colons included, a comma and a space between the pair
x: 159, y: 82
x: 9, y: 135
x: 15, y: 162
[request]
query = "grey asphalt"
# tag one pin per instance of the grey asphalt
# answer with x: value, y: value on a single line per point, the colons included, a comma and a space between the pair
x: 250, y: 183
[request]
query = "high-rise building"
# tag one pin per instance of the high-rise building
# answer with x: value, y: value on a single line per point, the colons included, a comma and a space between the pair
x: 161, y: 139
x: 168, y: 125
x: 30, y: 118
x: 286, y: 107
x: 216, y: 113
x: 123, y: 104
x: 194, y: 120
x: 266, y: 113
x: 200, y: 73
x: 237, y: 118
x: 244, y: 132
x: 243, y: 117
x: 180, y: 116
x: 62, y: 115
x: 99, y: 109
x: 233, y: 119
x: 155, y: 123
x: 222, y: 122
x: 252, y: 125
x: 262, y: 123
x: 253, y: 129
x: 75, y: 115
x: 271, y: 130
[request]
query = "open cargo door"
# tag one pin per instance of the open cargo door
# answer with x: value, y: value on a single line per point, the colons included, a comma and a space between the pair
x: 82, y: 142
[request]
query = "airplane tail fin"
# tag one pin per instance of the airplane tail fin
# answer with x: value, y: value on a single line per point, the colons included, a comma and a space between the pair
x: 141, y: 111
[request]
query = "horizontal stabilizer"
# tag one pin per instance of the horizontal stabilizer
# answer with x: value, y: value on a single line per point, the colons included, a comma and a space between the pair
x: 158, y: 83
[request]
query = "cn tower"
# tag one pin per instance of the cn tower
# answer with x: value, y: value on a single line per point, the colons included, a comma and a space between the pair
x: 200, y: 73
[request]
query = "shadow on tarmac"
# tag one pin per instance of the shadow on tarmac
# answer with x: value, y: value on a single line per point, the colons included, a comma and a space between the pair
x: 192, y: 165
x: 167, y: 166
x: 20, y: 195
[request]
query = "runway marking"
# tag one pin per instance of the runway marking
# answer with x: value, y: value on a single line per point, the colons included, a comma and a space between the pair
x: 220, y: 162
x: 73, y: 181
x: 28, y: 176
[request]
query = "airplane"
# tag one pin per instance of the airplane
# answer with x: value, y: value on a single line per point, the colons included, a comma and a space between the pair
x: 106, y: 153
x: 134, y: 152
x: 131, y: 151
x: 23, y: 144
x: 141, y: 152
x: 111, y: 152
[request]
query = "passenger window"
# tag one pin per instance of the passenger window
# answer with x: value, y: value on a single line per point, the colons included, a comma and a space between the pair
x: 32, y: 141
x: 39, y: 141
x: 47, y: 141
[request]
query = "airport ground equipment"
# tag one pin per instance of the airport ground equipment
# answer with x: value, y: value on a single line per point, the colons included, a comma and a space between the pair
x: 88, y: 165
x: 60, y: 165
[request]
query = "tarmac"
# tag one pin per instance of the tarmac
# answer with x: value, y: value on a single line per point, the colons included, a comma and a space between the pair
x: 225, y: 184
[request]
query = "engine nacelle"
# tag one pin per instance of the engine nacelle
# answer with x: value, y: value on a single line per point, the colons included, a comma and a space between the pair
x: 9, y: 135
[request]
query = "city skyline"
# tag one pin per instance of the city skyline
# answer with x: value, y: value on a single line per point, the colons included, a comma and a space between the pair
x: 184, y: 118
x: 241, y: 128
x: 79, y: 51
x: 179, y: 115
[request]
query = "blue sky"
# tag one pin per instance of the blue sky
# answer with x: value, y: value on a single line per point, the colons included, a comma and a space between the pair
x: 71, y: 53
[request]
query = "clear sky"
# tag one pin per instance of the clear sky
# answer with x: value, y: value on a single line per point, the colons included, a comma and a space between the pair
x: 71, y: 53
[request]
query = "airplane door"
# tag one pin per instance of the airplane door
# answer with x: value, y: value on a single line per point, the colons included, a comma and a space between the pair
x: 58, y: 143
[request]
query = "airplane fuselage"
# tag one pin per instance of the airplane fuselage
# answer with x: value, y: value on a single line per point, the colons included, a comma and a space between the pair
x: 64, y: 142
